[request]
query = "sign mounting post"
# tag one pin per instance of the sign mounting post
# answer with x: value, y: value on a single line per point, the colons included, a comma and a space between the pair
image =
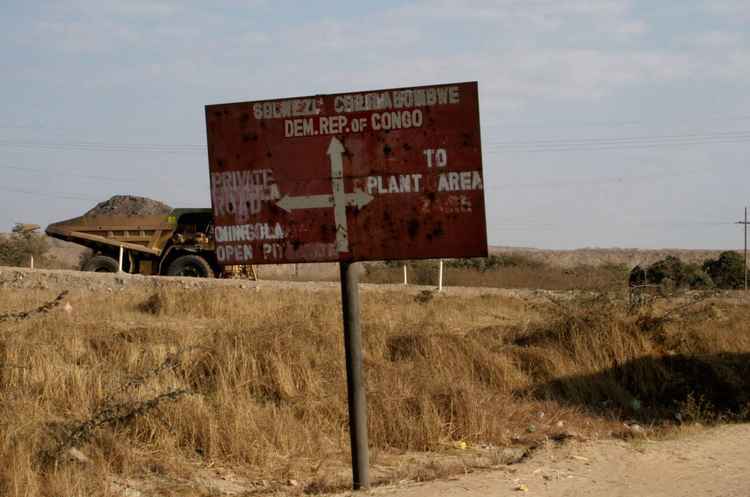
x: 364, y: 176
x: 354, y: 381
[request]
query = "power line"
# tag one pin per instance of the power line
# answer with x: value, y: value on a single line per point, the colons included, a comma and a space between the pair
x: 95, y: 177
x: 625, y: 139
x: 618, y: 147
x: 594, y: 144
x: 561, y: 183
x: 609, y: 124
x: 60, y: 195
x: 117, y: 145
x: 104, y: 147
x: 492, y: 147
x: 69, y: 173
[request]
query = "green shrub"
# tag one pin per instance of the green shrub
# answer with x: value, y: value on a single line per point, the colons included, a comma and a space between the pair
x: 697, y: 278
x: 17, y: 248
x: 728, y: 271
x: 671, y: 272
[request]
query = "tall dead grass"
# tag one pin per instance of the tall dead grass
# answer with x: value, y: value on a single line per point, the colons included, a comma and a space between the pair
x: 531, y: 276
x: 265, y: 376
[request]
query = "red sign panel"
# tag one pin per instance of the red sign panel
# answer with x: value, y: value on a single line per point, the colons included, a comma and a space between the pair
x: 376, y: 175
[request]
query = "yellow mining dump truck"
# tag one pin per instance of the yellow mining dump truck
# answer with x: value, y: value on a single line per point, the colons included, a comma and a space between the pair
x: 179, y: 242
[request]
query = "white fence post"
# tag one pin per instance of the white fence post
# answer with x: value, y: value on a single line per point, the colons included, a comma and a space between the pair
x: 119, y: 265
x: 440, y: 276
x: 406, y: 281
x: 31, y: 262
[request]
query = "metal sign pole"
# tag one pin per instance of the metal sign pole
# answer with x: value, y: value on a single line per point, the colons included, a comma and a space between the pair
x: 745, y: 223
x: 354, y: 383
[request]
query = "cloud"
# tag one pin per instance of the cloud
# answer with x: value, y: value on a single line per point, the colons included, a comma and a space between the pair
x: 136, y: 8
x: 491, y: 11
x: 733, y: 10
x: 715, y: 40
x: 519, y: 59
x: 83, y: 36
x: 566, y: 50
x: 351, y: 36
x: 631, y: 28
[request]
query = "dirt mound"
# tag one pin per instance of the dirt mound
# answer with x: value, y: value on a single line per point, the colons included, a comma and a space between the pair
x: 129, y: 205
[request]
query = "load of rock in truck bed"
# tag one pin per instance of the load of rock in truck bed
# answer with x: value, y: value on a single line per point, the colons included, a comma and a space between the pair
x: 129, y: 205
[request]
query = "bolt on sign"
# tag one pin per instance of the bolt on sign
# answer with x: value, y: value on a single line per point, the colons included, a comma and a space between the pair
x: 372, y: 175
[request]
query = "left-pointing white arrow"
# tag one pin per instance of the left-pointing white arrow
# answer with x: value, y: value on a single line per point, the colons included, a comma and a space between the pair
x: 305, y: 202
x: 357, y: 199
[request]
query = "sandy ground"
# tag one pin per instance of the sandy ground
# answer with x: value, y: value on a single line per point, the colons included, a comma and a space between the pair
x: 706, y: 462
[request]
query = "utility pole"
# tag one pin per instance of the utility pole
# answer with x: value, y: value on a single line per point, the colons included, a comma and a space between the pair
x: 745, y: 223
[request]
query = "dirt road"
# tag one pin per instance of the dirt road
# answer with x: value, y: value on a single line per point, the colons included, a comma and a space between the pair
x: 711, y: 462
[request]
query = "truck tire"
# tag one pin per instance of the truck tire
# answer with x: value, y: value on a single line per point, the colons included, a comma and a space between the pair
x: 101, y: 264
x: 191, y: 266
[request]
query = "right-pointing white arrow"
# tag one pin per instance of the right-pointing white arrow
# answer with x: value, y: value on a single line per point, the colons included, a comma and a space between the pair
x: 358, y: 199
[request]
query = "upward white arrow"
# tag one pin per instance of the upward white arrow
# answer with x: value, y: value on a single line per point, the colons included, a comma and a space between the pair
x: 336, y: 155
x: 339, y: 200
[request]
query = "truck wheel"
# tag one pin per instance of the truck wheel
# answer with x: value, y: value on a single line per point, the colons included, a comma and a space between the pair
x: 190, y: 265
x: 101, y: 264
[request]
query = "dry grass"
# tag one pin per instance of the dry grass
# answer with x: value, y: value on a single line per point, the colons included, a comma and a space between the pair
x: 161, y: 387
x: 630, y: 257
x: 537, y: 276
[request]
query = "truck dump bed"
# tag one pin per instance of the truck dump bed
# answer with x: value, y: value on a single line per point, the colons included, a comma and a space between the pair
x: 146, y: 234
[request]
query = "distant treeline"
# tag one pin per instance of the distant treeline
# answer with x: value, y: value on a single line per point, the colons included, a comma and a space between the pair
x: 500, y: 271
x: 725, y: 272
x: 521, y: 271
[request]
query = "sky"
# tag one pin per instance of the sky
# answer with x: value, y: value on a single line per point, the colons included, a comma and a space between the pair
x: 605, y: 123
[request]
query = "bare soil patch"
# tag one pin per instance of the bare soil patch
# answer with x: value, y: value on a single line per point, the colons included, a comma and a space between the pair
x: 705, y: 462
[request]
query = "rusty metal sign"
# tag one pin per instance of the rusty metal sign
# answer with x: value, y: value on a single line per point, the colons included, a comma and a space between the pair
x: 374, y: 175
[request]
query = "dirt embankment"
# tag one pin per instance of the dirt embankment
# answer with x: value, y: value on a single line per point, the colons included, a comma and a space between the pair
x: 60, y: 279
